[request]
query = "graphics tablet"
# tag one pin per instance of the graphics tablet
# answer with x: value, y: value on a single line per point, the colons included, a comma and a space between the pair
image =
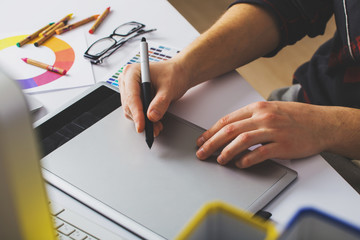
x: 92, y: 152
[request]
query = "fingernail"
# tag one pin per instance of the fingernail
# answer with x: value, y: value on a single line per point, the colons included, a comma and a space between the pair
x: 220, y: 160
x: 156, y: 132
x: 155, y: 115
x: 137, y: 127
x: 200, y: 153
x: 201, y: 141
x: 239, y: 164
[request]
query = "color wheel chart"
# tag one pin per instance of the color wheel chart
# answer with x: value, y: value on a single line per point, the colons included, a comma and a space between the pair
x: 64, y: 58
x: 157, y: 53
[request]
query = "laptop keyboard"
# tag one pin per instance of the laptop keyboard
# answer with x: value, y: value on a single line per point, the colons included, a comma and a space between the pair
x: 66, y: 230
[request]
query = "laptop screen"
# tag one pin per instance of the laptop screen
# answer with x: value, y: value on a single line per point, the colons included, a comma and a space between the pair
x: 24, y: 208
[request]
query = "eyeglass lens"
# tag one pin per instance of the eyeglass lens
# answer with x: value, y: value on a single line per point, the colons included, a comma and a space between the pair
x: 102, y: 45
x: 127, y: 29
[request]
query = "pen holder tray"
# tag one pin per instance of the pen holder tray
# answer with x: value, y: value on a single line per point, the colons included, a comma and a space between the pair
x: 218, y: 220
x: 310, y: 223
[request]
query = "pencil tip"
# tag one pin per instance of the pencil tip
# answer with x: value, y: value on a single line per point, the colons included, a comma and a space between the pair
x: 91, y: 31
x: 18, y: 44
x: 24, y: 59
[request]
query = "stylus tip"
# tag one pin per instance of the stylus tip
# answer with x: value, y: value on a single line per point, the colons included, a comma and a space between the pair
x: 149, y: 142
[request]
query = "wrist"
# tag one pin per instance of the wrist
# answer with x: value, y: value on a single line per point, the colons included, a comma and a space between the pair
x: 344, y: 134
x: 183, y: 71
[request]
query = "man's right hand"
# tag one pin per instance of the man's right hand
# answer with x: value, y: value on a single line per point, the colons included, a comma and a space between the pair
x: 168, y: 83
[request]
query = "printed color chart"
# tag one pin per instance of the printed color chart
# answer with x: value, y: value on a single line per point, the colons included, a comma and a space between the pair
x: 64, y: 58
x: 157, y: 53
x: 65, y: 52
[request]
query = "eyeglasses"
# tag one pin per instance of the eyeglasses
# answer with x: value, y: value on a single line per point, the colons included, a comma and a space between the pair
x: 104, y: 47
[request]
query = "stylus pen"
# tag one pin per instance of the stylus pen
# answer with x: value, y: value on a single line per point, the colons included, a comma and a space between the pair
x: 146, y: 90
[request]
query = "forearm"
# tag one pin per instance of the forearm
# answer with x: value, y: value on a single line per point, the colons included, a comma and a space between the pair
x: 244, y: 33
x: 343, y: 131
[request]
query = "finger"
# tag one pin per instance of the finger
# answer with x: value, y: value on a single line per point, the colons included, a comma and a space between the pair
x: 122, y: 97
x: 127, y: 113
x: 158, y: 127
x: 258, y: 155
x: 135, y: 108
x: 124, y: 105
x: 223, y: 137
x: 131, y: 92
x: 238, y: 115
x: 241, y: 143
x: 158, y: 106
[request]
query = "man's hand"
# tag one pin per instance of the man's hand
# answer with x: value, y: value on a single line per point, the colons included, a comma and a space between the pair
x: 167, y: 80
x: 285, y: 130
x: 228, y: 44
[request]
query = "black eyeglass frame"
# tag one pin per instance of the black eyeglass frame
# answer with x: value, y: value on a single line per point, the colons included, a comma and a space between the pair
x: 134, y: 32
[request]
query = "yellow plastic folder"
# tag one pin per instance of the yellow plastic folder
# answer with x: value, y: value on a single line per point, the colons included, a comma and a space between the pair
x: 219, y: 220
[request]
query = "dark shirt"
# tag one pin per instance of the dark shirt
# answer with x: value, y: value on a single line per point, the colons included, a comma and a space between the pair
x: 332, y: 76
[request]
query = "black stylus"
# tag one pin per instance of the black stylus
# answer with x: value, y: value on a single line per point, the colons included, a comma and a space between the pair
x: 146, y: 90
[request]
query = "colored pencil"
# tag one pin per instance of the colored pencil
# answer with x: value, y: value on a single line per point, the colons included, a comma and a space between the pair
x: 32, y: 36
x: 44, y: 66
x: 47, y: 30
x: 75, y: 25
x: 99, y: 20
x: 48, y: 35
x: 64, y: 20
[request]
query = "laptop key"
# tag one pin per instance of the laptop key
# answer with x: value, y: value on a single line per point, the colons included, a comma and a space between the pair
x: 55, y: 209
x: 78, y: 235
x: 63, y: 237
x: 58, y: 222
x: 91, y: 238
x: 66, y: 229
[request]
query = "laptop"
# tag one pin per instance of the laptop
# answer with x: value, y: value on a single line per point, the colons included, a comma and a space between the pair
x: 92, y: 153
x: 26, y: 212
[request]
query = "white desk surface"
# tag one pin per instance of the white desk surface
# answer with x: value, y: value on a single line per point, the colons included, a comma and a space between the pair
x: 318, y: 184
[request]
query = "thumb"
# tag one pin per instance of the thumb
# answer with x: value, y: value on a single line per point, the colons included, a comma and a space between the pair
x: 158, y: 107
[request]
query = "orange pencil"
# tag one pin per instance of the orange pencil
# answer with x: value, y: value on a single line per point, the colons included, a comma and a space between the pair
x: 48, y: 35
x: 32, y: 36
x: 75, y: 25
x: 44, y: 66
x: 99, y: 20
x: 64, y: 20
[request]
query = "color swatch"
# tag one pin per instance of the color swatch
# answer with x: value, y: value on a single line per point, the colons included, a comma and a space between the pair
x: 157, y: 53
x: 64, y: 58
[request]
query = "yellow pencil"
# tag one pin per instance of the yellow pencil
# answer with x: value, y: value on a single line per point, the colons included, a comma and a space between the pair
x: 75, y: 25
x: 99, y: 20
x: 32, y: 36
x: 48, y: 35
x: 44, y: 66
x: 64, y: 20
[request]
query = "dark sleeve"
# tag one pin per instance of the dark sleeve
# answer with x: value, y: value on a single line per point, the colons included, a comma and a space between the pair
x: 296, y: 18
